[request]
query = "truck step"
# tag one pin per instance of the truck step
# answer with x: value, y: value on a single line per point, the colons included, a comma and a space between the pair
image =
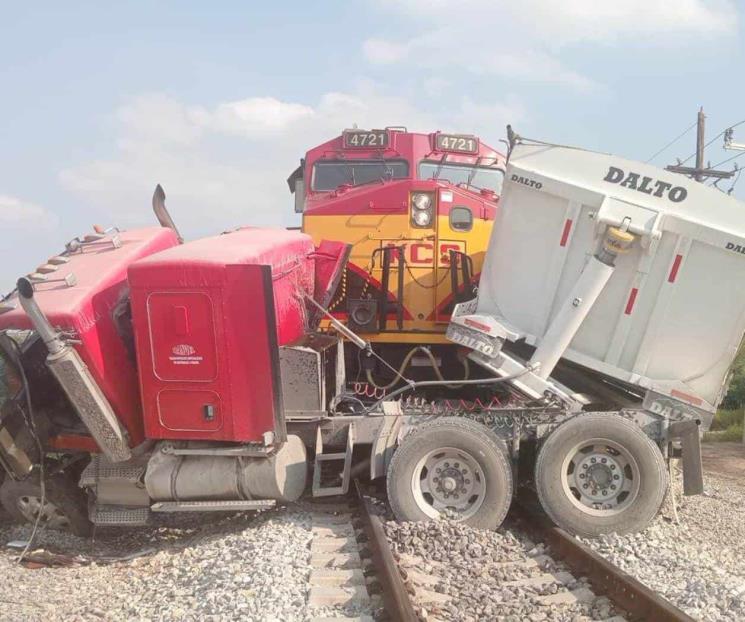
x: 212, y: 506
x: 320, y: 487
x: 101, y: 469
x: 120, y: 515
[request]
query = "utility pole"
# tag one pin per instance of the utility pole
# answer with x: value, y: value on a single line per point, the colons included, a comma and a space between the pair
x: 700, y: 130
x: 699, y: 172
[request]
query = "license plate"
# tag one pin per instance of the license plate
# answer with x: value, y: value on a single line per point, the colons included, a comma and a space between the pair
x: 472, y: 339
x: 364, y: 139
x: 460, y: 143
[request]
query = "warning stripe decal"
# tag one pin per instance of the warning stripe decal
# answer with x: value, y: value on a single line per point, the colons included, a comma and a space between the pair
x: 674, y: 270
x: 565, y: 233
x: 631, y: 301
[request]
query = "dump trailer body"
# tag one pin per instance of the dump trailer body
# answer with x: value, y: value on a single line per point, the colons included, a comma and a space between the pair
x: 672, y: 314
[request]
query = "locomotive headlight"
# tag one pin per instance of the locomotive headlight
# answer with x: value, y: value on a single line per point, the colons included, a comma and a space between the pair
x: 421, y: 201
x: 421, y: 209
x: 421, y: 218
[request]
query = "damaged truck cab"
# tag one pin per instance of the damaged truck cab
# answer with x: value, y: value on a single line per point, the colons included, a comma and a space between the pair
x: 145, y: 374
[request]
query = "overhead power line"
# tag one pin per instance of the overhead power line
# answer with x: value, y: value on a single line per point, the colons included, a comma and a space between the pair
x: 729, y: 127
x: 734, y: 157
x: 699, y: 172
x: 673, y: 141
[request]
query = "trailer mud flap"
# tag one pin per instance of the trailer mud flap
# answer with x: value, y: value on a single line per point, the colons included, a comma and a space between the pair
x: 693, y: 474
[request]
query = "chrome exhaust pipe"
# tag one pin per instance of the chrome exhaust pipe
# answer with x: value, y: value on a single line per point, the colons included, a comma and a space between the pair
x: 162, y: 213
x: 76, y: 381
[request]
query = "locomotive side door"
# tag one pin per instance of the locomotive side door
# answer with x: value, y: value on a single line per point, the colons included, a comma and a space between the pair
x: 456, y: 219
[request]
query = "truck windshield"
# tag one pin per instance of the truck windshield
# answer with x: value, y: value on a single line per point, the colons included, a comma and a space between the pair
x: 330, y: 174
x: 482, y: 177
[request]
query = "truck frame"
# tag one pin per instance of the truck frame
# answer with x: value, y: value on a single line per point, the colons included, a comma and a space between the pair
x: 584, y: 382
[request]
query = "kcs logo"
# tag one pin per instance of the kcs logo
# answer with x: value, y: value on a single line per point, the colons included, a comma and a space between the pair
x: 422, y: 254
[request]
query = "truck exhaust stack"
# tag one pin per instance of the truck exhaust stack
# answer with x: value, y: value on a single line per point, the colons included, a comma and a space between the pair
x: 74, y: 378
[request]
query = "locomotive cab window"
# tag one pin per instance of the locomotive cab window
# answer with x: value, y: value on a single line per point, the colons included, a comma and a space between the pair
x: 461, y: 219
x: 330, y: 174
x: 465, y: 175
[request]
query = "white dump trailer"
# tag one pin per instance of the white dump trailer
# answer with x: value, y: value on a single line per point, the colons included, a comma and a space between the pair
x: 614, y: 291
x: 665, y: 315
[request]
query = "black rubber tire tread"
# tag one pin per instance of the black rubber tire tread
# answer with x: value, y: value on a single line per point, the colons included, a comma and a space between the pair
x: 653, y: 475
x: 462, y: 433
x: 60, y: 490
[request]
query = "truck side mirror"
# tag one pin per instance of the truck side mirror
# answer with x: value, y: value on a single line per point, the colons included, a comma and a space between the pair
x: 299, y: 196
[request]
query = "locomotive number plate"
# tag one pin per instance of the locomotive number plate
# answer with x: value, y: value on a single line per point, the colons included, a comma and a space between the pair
x: 459, y: 143
x: 364, y: 139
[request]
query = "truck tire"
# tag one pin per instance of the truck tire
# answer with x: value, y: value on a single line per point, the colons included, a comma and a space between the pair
x: 451, y: 467
x: 65, y: 506
x: 599, y: 473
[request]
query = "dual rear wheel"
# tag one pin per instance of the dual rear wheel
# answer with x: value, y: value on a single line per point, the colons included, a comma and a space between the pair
x: 596, y: 473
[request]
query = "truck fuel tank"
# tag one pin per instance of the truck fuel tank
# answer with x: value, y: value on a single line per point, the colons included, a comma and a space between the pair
x: 280, y: 475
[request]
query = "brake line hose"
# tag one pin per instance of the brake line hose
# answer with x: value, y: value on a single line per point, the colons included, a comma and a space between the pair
x: 407, y: 360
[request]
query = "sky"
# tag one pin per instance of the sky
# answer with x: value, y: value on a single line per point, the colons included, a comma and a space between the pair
x: 100, y: 101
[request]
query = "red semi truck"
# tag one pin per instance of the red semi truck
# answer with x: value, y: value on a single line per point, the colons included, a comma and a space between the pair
x: 141, y: 374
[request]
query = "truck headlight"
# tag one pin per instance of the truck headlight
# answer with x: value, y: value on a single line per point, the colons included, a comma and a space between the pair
x: 421, y: 209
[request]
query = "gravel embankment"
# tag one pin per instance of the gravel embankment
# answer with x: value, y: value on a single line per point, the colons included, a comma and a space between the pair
x: 699, y: 564
x: 257, y: 567
x: 475, y: 568
x: 212, y: 567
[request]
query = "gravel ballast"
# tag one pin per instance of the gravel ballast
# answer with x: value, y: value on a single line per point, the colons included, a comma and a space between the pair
x: 698, y: 564
x: 475, y: 571
x: 212, y: 567
x: 257, y: 566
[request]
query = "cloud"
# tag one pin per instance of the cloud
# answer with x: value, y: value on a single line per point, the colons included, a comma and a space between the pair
x: 578, y: 20
x: 629, y: 21
x: 383, y: 51
x: 226, y: 165
x: 257, y: 115
x: 524, y: 41
x: 432, y: 51
x: 17, y: 213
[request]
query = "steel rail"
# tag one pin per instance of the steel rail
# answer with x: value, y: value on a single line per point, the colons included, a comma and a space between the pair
x: 625, y: 591
x: 396, y: 598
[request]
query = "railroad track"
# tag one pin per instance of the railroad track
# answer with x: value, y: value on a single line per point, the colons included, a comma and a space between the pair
x: 564, y: 574
x: 343, y: 585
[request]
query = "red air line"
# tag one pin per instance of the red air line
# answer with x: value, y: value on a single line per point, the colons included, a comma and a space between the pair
x: 674, y: 270
x: 631, y: 301
x: 565, y: 233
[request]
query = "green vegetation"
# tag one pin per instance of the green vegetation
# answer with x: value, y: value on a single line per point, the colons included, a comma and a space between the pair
x: 727, y: 426
x: 735, y: 398
x: 728, y: 423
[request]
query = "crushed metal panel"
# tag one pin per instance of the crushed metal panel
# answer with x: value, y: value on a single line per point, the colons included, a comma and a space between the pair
x: 303, y: 388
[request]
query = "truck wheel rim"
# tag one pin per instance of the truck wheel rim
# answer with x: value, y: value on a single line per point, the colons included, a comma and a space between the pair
x: 448, y: 482
x: 31, y: 507
x: 600, y: 477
